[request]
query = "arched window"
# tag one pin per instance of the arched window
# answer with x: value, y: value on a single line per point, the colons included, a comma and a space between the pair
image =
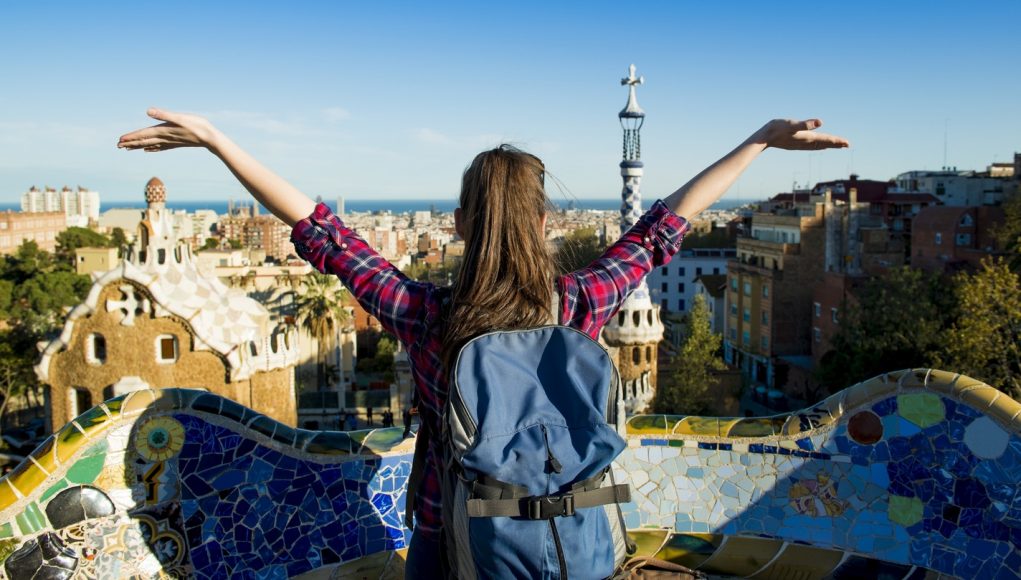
x: 649, y: 316
x: 95, y: 349
x: 648, y: 354
x: 166, y: 349
x: 161, y: 256
x: 636, y: 316
x: 79, y: 401
x: 636, y: 355
x: 620, y: 318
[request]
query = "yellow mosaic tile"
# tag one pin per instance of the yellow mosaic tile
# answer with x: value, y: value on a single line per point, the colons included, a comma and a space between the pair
x: 688, y: 549
x: 93, y: 421
x: 914, y: 379
x: 69, y: 440
x: 753, y: 427
x: 856, y: 396
x: 44, y: 455
x: 648, y: 541
x: 647, y: 425
x: 26, y: 477
x: 138, y: 401
x: 113, y: 406
x: 7, y: 495
x: 704, y: 426
x: 981, y: 397
x: 799, y: 561
x: 742, y: 557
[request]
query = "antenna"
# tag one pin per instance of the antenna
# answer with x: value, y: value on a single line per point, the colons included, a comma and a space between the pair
x: 946, y: 129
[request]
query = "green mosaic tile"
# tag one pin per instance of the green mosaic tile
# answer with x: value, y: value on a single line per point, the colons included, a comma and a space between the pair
x: 6, y: 530
x: 114, y: 405
x: 705, y: 426
x: 94, y: 419
x: 647, y: 425
x: 689, y: 550
x: 53, y: 489
x: 31, y: 520
x: 676, y: 442
x: 756, y: 427
x: 382, y: 440
x: 905, y: 511
x: 330, y: 443
x: 7, y: 547
x: 922, y: 409
x: 86, y: 469
x: 100, y: 448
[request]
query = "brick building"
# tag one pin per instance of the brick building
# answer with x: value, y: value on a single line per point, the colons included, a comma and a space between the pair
x: 42, y: 228
x: 255, y: 231
x: 953, y: 238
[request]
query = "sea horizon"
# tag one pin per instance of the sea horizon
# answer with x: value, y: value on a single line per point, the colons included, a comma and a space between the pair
x: 394, y: 206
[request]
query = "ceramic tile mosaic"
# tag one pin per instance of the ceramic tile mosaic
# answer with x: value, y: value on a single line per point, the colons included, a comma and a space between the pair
x: 900, y: 477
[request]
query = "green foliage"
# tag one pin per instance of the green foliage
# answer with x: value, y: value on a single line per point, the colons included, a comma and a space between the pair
x: 898, y: 322
x: 35, y: 291
x: 117, y: 238
x: 71, y: 239
x: 234, y: 244
x: 1008, y: 234
x: 687, y: 392
x: 383, y: 360
x: 985, y: 340
x: 211, y: 244
x: 320, y: 312
x: 442, y: 274
x: 581, y: 247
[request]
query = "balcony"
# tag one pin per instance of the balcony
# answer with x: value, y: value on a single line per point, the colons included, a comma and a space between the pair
x: 911, y: 474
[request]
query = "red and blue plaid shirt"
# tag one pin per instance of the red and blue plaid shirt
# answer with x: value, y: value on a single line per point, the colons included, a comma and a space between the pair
x: 411, y: 310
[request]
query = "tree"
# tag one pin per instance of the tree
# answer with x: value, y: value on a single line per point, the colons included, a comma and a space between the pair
x: 581, y: 247
x: 898, y: 322
x: 211, y: 244
x: 117, y: 238
x: 16, y: 374
x: 73, y: 238
x: 985, y: 340
x: 687, y: 392
x: 321, y: 314
x: 234, y: 244
x: 1008, y: 234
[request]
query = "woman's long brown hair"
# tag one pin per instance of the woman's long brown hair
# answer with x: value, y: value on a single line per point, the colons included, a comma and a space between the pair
x: 506, y: 279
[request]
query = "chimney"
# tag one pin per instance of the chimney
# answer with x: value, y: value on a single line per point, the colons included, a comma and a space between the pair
x: 852, y: 195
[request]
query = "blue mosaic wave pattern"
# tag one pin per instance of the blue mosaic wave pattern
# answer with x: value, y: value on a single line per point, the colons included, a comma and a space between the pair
x: 911, y: 475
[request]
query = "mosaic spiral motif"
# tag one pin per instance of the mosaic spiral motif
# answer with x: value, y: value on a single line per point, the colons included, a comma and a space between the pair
x: 910, y: 475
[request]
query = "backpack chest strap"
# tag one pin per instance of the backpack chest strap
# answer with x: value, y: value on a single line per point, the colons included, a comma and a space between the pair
x: 548, y: 506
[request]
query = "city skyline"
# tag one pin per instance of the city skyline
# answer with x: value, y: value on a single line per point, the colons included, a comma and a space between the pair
x: 345, y: 101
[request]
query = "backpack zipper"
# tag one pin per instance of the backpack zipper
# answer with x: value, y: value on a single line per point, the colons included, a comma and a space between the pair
x: 560, y: 549
x: 553, y: 463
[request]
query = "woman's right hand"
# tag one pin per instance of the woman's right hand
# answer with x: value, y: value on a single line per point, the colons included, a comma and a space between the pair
x: 176, y: 130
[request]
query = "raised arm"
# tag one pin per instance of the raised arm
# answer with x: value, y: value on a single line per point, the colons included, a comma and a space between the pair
x: 183, y: 130
x: 708, y: 186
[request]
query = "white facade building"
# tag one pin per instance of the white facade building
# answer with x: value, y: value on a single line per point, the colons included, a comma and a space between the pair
x: 953, y: 187
x: 79, y: 206
x: 673, y: 286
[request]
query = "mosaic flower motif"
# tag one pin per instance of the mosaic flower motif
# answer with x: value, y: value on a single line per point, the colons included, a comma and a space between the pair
x: 159, y: 438
x: 817, y: 497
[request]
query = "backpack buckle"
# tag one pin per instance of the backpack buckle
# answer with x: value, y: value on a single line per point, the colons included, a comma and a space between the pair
x: 550, y: 506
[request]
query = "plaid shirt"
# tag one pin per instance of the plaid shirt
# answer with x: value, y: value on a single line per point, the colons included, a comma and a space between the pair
x: 411, y: 310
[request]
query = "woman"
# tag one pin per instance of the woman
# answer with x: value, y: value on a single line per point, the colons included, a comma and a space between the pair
x: 507, y: 278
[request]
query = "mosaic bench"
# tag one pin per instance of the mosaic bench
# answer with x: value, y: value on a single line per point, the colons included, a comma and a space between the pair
x: 909, y: 475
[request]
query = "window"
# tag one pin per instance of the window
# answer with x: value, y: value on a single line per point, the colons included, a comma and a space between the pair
x: 680, y: 286
x: 817, y: 309
x: 747, y: 315
x: 747, y: 288
x: 817, y: 334
x: 664, y: 270
x: 636, y: 355
x: 833, y: 316
x: 680, y: 305
x: 764, y: 343
x: 746, y: 338
x: 765, y: 290
x: 963, y: 239
x: 166, y: 348
x: 939, y: 238
x: 765, y: 318
x: 733, y: 284
x: 966, y: 221
x: 716, y: 271
x: 663, y: 303
x: 733, y: 309
x: 636, y: 317
x: 698, y: 272
x: 680, y: 271
x: 79, y: 400
x: 732, y: 333
x: 648, y: 354
x: 663, y: 287
x: 95, y: 349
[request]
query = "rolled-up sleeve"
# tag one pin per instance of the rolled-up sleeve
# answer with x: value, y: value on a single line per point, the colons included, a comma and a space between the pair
x: 379, y: 287
x: 591, y: 296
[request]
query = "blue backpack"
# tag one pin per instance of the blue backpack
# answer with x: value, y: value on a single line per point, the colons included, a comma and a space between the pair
x: 530, y: 429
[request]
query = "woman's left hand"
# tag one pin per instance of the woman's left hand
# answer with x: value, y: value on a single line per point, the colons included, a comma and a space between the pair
x: 797, y: 136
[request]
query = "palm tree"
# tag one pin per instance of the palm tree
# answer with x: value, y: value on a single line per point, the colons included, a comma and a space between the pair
x: 320, y: 313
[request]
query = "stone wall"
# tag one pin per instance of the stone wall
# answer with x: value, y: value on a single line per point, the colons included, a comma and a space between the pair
x: 910, y: 475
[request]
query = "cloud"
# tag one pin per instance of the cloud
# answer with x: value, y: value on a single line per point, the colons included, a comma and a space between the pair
x: 336, y: 114
x: 431, y: 137
x: 261, y: 122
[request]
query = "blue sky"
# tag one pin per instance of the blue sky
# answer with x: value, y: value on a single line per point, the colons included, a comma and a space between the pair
x: 392, y: 100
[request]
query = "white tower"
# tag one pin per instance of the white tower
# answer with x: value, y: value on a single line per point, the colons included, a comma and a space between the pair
x: 636, y: 330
